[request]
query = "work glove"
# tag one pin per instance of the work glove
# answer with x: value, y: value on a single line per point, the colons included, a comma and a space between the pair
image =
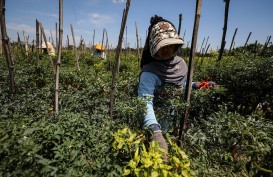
x: 207, y: 85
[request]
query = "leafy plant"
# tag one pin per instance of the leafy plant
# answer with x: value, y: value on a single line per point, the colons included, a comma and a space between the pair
x: 144, y: 159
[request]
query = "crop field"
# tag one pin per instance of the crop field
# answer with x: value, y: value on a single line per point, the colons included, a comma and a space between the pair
x: 227, y: 134
x: 75, y: 114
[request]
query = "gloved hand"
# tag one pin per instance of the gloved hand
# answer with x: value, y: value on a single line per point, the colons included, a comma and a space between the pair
x: 208, y: 85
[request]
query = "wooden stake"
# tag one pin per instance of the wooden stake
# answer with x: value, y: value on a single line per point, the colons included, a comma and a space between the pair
x: 179, y: 26
x: 37, y: 43
x: 247, y: 40
x: 7, y: 47
x: 202, y: 45
x: 203, y: 56
x: 138, y: 52
x: 102, y: 39
x: 75, y: 48
x: 56, y: 25
x: 224, y: 31
x: 20, y: 45
x: 205, y: 45
x: 184, y: 34
x: 26, y: 43
x: 52, y: 42
x: 94, y: 39
x: 266, y: 44
x: 116, y: 64
x: 184, y: 120
x: 232, y: 40
x: 56, y: 103
x: 1, y: 46
x: 67, y: 42
x: 106, y: 44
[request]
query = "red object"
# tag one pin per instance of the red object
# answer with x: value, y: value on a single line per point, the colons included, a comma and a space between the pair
x: 204, y: 85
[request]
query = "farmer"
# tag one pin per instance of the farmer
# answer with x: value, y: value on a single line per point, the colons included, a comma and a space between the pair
x: 161, y: 66
x: 99, y: 52
x: 50, y: 49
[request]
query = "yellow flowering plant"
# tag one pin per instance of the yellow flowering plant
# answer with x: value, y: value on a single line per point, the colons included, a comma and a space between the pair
x: 146, y: 159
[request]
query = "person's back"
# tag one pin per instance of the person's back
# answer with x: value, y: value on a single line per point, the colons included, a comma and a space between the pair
x: 99, y: 52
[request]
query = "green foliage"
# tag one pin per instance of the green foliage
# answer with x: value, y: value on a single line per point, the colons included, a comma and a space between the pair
x: 142, y: 160
x: 169, y: 105
x: 248, y: 80
x: 70, y: 144
x: 78, y: 142
x: 228, y: 143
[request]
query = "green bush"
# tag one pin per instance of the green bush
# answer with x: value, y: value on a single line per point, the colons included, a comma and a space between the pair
x: 234, y: 141
x: 248, y: 80
x: 228, y: 143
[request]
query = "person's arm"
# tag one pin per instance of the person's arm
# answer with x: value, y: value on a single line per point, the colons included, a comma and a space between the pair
x: 203, y: 85
x: 103, y: 55
x: 194, y: 85
x: 147, y: 84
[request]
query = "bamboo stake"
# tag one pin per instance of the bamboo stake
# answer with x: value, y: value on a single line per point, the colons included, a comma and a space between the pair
x: 56, y: 25
x: 94, y: 39
x: 32, y: 47
x: 232, y: 46
x: 268, y: 41
x: 26, y: 43
x: 50, y: 58
x: 37, y: 43
x: 118, y: 61
x: 125, y: 43
x: 138, y: 52
x: 81, y: 43
x: 205, y: 45
x: 247, y: 40
x: 232, y: 40
x: 102, y: 38
x: 1, y: 46
x: 67, y: 42
x: 179, y: 25
x: 41, y: 36
x: 89, y: 43
x: 265, y: 44
x: 202, y: 45
x: 20, y: 45
x: 116, y: 65
x: 224, y: 31
x: 7, y: 47
x: 106, y: 44
x: 203, y: 56
x: 52, y: 40
x: 184, y: 120
x: 184, y: 34
x: 56, y: 103
x: 74, y: 48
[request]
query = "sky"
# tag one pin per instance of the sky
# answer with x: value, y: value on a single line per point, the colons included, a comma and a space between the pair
x: 87, y: 16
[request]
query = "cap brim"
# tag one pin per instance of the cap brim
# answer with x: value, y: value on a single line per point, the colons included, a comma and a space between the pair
x: 166, y: 42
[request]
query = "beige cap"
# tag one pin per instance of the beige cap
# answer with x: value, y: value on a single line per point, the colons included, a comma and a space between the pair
x: 50, y: 47
x: 162, y: 34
